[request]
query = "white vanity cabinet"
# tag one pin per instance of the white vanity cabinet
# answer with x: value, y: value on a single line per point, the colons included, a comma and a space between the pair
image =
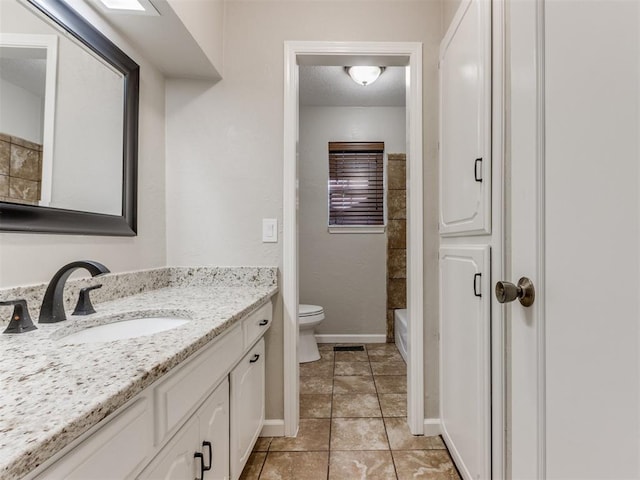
x: 205, y: 434
x: 247, y: 406
x: 211, y: 405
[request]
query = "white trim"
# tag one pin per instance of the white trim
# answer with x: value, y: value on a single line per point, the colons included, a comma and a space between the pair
x: 432, y: 427
x: 339, y: 338
x: 50, y: 44
x: 407, y: 53
x: 355, y: 229
x: 273, y: 428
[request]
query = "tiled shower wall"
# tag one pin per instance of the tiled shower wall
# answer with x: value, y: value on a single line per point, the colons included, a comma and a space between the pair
x: 396, y: 237
x: 20, y: 170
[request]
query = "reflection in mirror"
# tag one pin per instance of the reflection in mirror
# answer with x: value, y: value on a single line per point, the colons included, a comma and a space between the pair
x: 85, y: 156
x: 81, y: 166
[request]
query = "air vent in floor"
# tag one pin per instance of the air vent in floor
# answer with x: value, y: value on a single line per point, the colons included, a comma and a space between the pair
x: 349, y: 348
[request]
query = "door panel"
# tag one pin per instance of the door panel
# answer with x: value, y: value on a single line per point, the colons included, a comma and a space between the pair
x: 214, y: 428
x: 576, y: 232
x: 465, y: 300
x: 465, y: 118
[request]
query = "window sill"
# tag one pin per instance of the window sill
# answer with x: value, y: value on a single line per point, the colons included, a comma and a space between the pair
x: 357, y: 229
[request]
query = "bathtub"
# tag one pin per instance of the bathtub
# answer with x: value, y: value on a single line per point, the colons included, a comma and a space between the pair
x: 401, y: 331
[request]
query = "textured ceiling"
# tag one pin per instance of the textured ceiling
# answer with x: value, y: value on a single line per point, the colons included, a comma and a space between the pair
x: 28, y: 73
x: 332, y: 87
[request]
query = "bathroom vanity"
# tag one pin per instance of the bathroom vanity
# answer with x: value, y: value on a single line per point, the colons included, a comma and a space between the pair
x: 184, y: 403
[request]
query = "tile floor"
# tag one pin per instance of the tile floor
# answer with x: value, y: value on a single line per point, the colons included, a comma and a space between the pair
x: 352, y: 425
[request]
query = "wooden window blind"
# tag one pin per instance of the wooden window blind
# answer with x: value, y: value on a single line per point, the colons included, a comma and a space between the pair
x: 356, y: 183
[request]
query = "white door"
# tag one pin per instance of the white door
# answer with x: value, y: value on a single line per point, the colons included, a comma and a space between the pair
x: 575, y: 221
x: 465, y: 393
x: 465, y: 122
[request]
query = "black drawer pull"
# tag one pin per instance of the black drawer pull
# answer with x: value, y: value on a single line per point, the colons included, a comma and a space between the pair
x: 208, y: 445
x: 255, y: 358
x: 264, y: 322
x: 201, y: 457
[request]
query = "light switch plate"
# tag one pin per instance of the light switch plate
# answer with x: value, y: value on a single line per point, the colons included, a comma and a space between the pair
x: 270, y: 230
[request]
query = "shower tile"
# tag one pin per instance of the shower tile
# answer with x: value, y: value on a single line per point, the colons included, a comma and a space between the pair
x: 400, y: 437
x: 24, y: 163
x: 391, y: 383
x: 393, y: 404
x: 397, y: 174
x: 424, y: 464
x: 397, y: 204
x: 5, y: 157
x: 358, y: 434
x: 315, y: 406
x: 397, y: 234
x: 396, y: 293
x: 313, y: 435
x: 295, y: 466
x: 397, y: 263
x: 356, y: 405
x: 21, y: 189
x: 354, y: 384
x: 359, y: 465
x: 4, y: 186
x: 352, y: 368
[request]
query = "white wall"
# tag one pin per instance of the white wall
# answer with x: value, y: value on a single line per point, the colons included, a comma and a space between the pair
x: 449, y: 9
x: 225, y: 144
x: 20, y: 112
x: 27, y: 258
x: 345, y: 273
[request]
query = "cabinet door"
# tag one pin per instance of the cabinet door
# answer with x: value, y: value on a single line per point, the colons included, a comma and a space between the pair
x: 465, y: 402
x: 214, y: 429
x: 176, y: 461
x: 465, y: 122
x: 247, y: 406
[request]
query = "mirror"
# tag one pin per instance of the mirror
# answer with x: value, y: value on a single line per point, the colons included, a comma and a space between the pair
x: 68, y: 124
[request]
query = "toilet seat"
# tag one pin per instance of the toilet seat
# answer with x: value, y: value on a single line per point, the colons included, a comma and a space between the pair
x: 310, y: 314
x: 309, y: 317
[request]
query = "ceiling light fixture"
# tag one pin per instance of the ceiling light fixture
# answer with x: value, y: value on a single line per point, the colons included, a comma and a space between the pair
x: 364, y: 75
x: 142, y: 7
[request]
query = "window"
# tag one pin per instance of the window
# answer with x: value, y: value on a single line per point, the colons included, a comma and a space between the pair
x: 356, y: 184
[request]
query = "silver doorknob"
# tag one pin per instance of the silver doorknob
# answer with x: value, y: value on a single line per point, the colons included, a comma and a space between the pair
x: 523, y: 291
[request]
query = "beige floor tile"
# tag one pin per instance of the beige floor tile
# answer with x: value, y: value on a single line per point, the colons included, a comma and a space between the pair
x: 319, y: 368
x: 326, y: 346
x: 425, y: 464
x: 358, y: 434
x: 313, y: 434
x: 262, y: 444
x: 400, y: 437
x: 316, y: 385
x: 381, y: 347
x: 254, y: 466
x: 382, y: 356
x: 391, y: 383
x: 351, y: 356
x: 317, y: 405
x: 356, y: 405
x: 393, y: 404
x: 354, y: 384
x: 356, y: 465
x: 326, y: 355
x: 389, y: 368
x: 295, y: 466
x: 352, y: 368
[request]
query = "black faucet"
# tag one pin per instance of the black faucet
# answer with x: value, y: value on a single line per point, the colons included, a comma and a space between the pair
x: 52, y: 309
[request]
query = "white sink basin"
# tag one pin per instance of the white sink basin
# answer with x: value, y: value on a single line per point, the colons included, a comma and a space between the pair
x: 133, y: 328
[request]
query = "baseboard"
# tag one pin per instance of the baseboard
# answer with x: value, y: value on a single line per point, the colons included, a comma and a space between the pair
x: 432, y: 427
x: 351, y: 338
x: 273, y: 428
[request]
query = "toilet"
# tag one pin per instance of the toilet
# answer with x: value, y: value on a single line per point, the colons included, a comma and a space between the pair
x: 309, y: 316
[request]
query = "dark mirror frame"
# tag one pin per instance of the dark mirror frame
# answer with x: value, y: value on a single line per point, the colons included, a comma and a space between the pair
x: 26, y: 218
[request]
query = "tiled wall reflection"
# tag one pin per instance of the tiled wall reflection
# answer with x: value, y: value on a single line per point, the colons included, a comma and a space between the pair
x: 20, y: 170
x: 396, y: 237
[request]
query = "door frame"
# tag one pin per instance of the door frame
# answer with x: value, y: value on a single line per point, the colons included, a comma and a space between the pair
x: 402, y: 53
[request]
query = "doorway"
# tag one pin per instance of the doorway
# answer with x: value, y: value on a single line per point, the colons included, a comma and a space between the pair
x: 342, y: 53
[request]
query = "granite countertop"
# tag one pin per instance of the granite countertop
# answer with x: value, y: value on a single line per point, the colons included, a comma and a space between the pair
x: 53, y: 392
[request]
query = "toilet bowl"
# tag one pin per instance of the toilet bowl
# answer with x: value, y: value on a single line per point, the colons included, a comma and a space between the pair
x: 309, y: 316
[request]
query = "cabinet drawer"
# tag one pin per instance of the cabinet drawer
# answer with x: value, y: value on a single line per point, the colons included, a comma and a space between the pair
x: 179, y: 395
x: 256, y: 324
x: 127, y: 438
